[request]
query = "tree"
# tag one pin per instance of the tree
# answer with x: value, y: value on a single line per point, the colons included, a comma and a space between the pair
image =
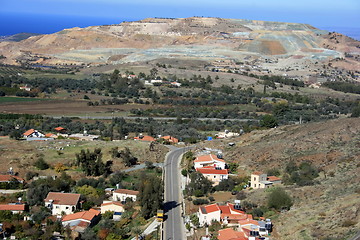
x: 279, y: 199
x: 268, y: 121
x: 355, y: 112
x: 41, y: 164
x: 199, y: 185
x: 15, y: 134
x: 91, y: 163
x: 153, y: 72
x: 150, y: 195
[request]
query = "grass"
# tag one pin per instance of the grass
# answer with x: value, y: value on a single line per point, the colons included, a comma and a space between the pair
x: 19, y: 99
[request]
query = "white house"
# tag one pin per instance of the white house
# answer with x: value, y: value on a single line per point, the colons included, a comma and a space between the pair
x: 116, y: 207
x: 32, y: 133
x: 213, y: 174
x: 226, y: 214
x: 209, y: 213
x: 209, y: 160
x: 60, y: 203
x: 14, y: 207
x: 122, y: 194
x: 261, y: 180
x: 81, y: 220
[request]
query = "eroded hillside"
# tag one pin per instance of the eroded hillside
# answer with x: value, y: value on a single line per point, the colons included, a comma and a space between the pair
x: 329, y: 209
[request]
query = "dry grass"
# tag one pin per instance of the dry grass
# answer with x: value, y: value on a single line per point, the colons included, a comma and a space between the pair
x: 327, y: 209
x: 22, y: 154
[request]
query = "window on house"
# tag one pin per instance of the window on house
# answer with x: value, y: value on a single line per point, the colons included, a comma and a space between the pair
x: 57, y: 207
x: 67, y: 208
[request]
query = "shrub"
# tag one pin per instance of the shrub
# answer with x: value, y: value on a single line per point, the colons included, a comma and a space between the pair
x: 348, y: 223
x: 279, y: 199
x: 257, y: 212
x: 200, y: 201
x: 41, y: 164
x: 241, y: 195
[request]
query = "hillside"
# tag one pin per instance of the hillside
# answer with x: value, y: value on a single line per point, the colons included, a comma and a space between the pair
x: 326, y: 210
x: 205, y: 39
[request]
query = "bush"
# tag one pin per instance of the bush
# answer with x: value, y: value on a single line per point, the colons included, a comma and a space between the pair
x: 257, y: 212
x: 41, y: 164
x: 200, y: 201
x: 279, y: 199
x: 241, y: 195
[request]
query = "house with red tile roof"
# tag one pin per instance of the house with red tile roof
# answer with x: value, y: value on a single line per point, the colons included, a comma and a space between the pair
x: 62, y: 203
x: 81, y: 220
x: 170, y: 139
x: 9, y: 178
x: 51, y: 135
x: 14, y: 207
x: 60, y: 130
x: 144, y: 138
x: 231, y: 234
x: 226, y: 214
x: 214, y: 174
x: 261, y: 180
x: 32, y: 133
x: 209, y: 160
x: 122, y: 194
x: 113, y: 206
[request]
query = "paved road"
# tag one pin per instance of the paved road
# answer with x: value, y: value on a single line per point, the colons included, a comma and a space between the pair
x: 141, y: 166
x: 174, y: 228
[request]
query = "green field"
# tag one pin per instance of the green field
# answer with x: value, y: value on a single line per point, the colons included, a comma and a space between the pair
x: 19, y: 99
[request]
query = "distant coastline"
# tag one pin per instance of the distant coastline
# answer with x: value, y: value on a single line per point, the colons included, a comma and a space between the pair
x: 47, y: 24
x: 353, y: 32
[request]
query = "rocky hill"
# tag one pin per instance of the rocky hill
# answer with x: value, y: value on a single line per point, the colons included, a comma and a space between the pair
x: 330, y: 209
x: 206, y: 39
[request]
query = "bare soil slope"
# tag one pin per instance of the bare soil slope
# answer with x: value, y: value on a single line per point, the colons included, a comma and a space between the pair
x: 223, y: 38
x: 329, y: 209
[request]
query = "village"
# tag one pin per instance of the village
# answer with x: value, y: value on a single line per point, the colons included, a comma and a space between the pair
x: 68, y: 208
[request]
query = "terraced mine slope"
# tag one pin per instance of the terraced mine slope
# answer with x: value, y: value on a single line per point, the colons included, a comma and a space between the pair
x: 190, y: 38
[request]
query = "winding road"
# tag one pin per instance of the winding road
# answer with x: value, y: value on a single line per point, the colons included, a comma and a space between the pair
x: 174, y: 228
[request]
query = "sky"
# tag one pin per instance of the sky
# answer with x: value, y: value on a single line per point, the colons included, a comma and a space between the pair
x: 47, y: 16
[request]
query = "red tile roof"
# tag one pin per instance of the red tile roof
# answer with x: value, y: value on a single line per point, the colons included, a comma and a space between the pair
x: 273, y: 178
x: 248, y: 221
x: 112, y: 203
x: 210, y: 208
x: 85, y: 215
x: 63, y: 198
x: 59, y: 129
x: 8, y: 178
x: 49, y: 135
x: 231, y: 234
x: 171, y: 139
x: 145, y: 138
x: 29, y: 132
x: 12, y: 207
x: 231, y: 206
x: 208, y: 158
x: 126, y: 191
x: 212, y: 171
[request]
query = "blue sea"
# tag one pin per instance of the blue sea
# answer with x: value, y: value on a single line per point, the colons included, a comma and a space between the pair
x: 353, y: 32
x: 30, y: 23
x: 45, y: 24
